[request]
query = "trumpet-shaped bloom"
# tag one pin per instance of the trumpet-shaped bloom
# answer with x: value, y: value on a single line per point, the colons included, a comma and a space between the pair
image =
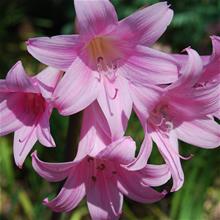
x: 106, y: 56
x: 25, y: 108
x: 179, y: 111
x: 103, y: 179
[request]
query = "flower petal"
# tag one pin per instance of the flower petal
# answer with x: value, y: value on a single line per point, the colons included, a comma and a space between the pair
x: 169, y: 150
x: 8, y: 118
x: 52, y: 172
x: 95, y: 17
x: 130, y: 184
x: 147, y: 25
x: 142, y: 67
x: 70, y: 195
x: 24, y: 140
x: 18, y: 81
x: 203, y: 133
x: 155, y: 175
x: 77, y: 89
x: 43, y: 129
x: 190, y: 72
x: 95, y: 134
x: 12, y: 113
x: 104, y: 207
x: 145, y: 98
x: 143, y: 155
x: 116, y: 104
x: 47, y: 80
x: 58, y: 51
x: 115, y: 151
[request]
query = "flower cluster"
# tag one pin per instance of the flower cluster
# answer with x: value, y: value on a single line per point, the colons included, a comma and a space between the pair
x: 108, y: 70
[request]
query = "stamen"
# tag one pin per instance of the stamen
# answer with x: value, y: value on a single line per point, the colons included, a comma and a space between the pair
x: 93, y: 178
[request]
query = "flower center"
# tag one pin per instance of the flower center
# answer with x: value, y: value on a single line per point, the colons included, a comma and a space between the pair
x: 160, y: 117
x: 35, y: 103
x: 100, y: 166
x: 105, y: 54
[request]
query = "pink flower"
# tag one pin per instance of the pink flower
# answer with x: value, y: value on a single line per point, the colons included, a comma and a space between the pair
x: 103, y: 178
x: 179, y: 111
x: 211, y: 69
x: 25, y: 108
x: 105, y: 56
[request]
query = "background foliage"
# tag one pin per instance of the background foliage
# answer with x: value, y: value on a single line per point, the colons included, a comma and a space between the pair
x: 22, y: 191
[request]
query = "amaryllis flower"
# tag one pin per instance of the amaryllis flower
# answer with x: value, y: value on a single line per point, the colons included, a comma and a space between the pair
x: 105, y: 55
x: 211, y: 68
x: 25, y: 108
x: 179, y: 111
x: 103, y: 179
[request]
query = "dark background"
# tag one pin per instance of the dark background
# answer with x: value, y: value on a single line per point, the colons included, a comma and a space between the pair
x: 23, y: 190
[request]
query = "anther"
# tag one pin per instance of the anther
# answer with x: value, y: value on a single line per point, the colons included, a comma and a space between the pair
x: 101, y: 166
x: 93, y: 178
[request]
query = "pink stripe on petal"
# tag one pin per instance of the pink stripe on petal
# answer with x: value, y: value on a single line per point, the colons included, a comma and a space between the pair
x: 115, y: 151
x: 70, y: 195
x: 190, y: 72
x: 52, y: 172
x: 104, y: 207
x: 117, y: 110
x: 58, y: 51
x: 18, y: 81
x: 130, y: 184
x: 203, y: 133
x: 78, y: 88
x: 142, y: 67
x: 95, y: 17
x: 155, y: 175
x: 169, y: 150
x: 43, y: 129
x: 24, y: 140
x: 147, y: 25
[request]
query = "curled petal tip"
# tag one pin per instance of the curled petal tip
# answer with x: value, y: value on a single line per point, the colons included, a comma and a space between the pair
x: 34, y: 154
x: 27, y: 42
x: 186, y: 49
x: 45, y: 201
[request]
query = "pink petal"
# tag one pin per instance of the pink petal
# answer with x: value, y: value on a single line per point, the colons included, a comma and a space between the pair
x: 52, y: 172
x: 216, y: 46
x: 95, y: 17
x: 143, y: 155
x: 190, y: 72
x: 18, y: 81
x: 95, y: 134
x: 116, y: 151
x: 8, y: 118
x: 117, y: 110
x: 58, y: 51
x: 147, y: 25
x: 43, y: 129
x: 104, y: 207
x: 12, y: 113
x: 145, y: 98
x: 203, y: 133
x: 142, y: 67
x: 78, y: 89
x: 70, y: 195
x: 130, y: 184
x: 24, y: 140
x: 169, y: 150
x: 155, y: 175
x: 47, y: 81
